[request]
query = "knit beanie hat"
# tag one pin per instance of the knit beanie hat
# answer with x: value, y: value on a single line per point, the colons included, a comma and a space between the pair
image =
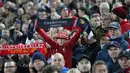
x: 121, y: 12
x: 39, y: 55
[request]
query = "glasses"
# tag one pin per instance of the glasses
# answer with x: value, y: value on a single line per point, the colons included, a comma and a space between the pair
x: 9, y: 66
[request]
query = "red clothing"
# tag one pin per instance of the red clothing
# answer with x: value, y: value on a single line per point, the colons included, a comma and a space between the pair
x: 125, y: 26
x: 1, y: 4
x: 65, y: 50
x: 126, y: 71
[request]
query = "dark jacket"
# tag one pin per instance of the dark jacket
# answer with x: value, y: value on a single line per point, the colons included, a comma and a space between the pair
x: 100, y: 32
x: 103, y: 55
x: 92, y: 50
x: 113, y: 67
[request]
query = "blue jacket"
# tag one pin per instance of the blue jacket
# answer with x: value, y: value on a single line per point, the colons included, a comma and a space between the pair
x: 123, y: 43
x: 113, y: 67
x: 103, y: 55
x: 64, y: 70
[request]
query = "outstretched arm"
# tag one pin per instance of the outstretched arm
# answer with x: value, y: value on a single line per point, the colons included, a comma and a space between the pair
x: 75, y: 38
x: 47, y: 38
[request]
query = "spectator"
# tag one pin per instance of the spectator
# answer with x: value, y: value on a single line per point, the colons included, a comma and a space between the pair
x: 115, y: 35
x: 10, y: 67
x: 102, y: 30
x: 59, y: 62
x: 82, y: 13
x: 6, y: 36
x: 23, y: 63
x: 42, y: 14
x: 104, y: 8
x: 113, y: 50
x: 64, y: 12
x: 62, y: 44
x: 39, y: 61
x: 124, y: 62
x: 83, y: 64
x: 81, y: 3
x: 51, y: 69
x: 122, y: 12
x: 95, y: 20
x: 99, y: 67
x: 92, y: 49
x: 54, y: 14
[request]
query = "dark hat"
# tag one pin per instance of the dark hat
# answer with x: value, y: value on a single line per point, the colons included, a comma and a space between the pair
x: 38, y: 55
x: 113, y: 43
x: 114, y: 25
x: 81, y: 57
x: 121, y: 12
x: 62, y: 7
x: 124, y: 54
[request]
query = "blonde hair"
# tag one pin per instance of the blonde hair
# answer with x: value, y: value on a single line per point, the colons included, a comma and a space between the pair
x: 73, y: 70
x: 98, y: 62
x: 104, y: 7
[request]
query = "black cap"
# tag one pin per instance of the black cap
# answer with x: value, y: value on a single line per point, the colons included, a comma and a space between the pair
x: 113, y: 43
x: 81, y: 57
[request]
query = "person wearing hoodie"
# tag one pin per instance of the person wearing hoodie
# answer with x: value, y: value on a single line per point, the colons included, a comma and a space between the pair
x: 59, y: 62
x: 39, y: 61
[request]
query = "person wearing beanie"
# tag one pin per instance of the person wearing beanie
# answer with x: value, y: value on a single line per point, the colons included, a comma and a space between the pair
x: 39, y: 61
x: 64, y: 12
x: 121, y: 12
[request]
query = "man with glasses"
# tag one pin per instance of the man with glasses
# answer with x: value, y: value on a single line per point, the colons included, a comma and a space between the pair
x: 102, y: 30
x: 10, y: 67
